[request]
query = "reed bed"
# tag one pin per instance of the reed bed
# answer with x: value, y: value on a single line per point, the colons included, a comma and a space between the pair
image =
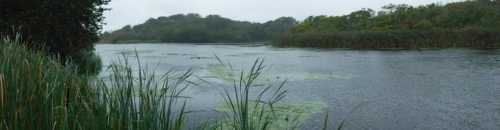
x: 471, y: 38
x: 38, y: 92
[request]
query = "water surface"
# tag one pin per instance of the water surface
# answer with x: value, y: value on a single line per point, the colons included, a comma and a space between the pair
x: 433, y: 89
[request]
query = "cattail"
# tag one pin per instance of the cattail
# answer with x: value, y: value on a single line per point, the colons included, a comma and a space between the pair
x: 1, y: 90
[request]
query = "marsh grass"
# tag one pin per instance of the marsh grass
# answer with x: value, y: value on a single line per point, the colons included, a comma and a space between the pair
x: 244, y: 114
x: 37, y: 92
x: 143, y: 100
x: 243, y: 108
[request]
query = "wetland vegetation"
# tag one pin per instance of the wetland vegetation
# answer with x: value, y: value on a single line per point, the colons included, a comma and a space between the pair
x: 51, y: 79
x: 468, y: 24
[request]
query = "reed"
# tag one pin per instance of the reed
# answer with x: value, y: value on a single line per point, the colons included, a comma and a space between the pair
x: 1, y: 91
x: 38, y: 92
x: 142, y: 100
x: 250, y: 107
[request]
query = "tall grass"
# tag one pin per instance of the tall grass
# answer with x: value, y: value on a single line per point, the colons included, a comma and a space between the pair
x: 141, y: 101
x: 247, y: 113
x: 37, y: 92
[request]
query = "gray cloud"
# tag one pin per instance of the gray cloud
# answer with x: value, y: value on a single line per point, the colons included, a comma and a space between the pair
x: 125, y: 12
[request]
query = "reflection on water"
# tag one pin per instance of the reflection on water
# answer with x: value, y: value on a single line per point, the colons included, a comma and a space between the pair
x: 435, y: 89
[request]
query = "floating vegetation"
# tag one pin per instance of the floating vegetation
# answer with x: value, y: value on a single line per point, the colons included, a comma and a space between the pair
x: 262, y: 111
x: 286, y: 116
x: 327, y: 76
x: 132, y: 52
x: 224, y: 73
x: 177, y: 54
x: 172, y: 54
x: 307, y: 56
x: 200, y: 57
x: 252, y: 53
x: 220, y: 71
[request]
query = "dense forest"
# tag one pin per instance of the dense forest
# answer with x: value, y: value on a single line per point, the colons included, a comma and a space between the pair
x: 193, y: 28
x: 472, y: 24
x: 62, y: 28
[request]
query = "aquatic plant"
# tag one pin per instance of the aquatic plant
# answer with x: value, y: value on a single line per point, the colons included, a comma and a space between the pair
x: 141, y: 101
x: 247, y: 113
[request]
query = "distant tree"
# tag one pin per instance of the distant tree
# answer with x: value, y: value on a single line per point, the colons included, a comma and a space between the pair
x: 195, y: 28
x: 424, y: 25
x: 471, y: 23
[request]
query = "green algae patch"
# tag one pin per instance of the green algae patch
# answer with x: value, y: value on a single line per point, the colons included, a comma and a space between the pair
x: 221, y: 72
x: 133, y: 52
x: 327, y: 76
x: 284, y: 116
x: 227, y: 75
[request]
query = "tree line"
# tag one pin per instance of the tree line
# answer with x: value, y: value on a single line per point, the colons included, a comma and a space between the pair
x: 63, y: 28
x: 193, y: 28
x: 471, y: 24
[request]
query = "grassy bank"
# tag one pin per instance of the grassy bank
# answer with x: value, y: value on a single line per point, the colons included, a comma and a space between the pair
x: 38, y: 92
x: 483, y: 39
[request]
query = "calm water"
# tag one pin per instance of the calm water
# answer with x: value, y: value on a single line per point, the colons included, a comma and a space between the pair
x: 437, y: 89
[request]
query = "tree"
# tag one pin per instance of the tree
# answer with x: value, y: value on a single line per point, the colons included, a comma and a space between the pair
x: 424, y: 25
x: 195, y: 28
x: 472, y: 23
x: 67, y: 28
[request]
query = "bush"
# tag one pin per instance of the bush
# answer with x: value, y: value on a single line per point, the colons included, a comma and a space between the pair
x: 88, y: 62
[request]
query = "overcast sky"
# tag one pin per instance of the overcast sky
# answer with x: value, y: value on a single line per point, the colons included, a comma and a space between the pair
x: 131, y: 12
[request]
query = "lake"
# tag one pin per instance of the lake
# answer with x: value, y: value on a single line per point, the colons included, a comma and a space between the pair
x: 430, y: 89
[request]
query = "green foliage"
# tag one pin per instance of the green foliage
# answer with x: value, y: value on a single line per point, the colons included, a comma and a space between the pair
x: 61, y: 27
x: 88, y: 62
x: 461, y: 24
x: 469, y: 38
x: 424, y: 25
x: 192, y: 28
